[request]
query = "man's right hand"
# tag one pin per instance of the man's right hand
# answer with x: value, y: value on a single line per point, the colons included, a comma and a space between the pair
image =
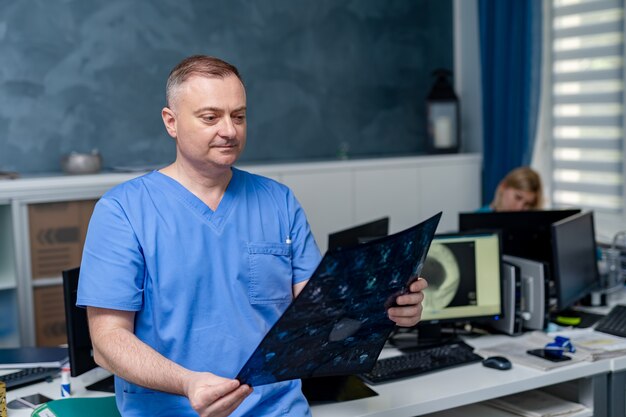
x: 214, y: 396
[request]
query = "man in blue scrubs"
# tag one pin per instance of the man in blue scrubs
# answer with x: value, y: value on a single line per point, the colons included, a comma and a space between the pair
x: 186, y: 268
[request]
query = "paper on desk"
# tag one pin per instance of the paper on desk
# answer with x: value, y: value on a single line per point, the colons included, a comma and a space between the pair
x: 536, y: 403
x: 515, y: 350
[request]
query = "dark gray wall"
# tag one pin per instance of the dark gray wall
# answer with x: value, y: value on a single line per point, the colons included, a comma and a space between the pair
x: 78, y: 75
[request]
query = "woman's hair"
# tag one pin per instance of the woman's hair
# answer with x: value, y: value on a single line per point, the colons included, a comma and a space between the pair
x: 523, y: 179
x: 201, y: 65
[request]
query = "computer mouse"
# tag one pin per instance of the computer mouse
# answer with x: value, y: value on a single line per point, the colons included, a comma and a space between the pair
x: 497, y: 362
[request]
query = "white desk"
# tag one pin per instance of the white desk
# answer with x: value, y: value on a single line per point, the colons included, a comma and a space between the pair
x: 617, y: 378
x: 586, y: 383
x: 53, y: 390
x: 471, y: 384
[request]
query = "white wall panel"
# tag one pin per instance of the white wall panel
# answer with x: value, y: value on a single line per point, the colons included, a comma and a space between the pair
x: 451, y: 188
x: 388, y: 191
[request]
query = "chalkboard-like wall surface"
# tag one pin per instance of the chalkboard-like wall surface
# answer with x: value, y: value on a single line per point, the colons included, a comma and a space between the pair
x: 324, y: 78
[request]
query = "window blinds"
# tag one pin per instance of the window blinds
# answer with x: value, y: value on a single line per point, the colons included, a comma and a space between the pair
x: 588, y: 104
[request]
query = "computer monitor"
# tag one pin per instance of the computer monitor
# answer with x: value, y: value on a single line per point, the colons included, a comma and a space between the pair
x: 79, y: 344
x: 463, y: 271
x: 526, y: 234
x: 359, y: 234
x: 575, y: 264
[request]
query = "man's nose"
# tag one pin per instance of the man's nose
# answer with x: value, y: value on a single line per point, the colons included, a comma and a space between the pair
x: 227, y: 128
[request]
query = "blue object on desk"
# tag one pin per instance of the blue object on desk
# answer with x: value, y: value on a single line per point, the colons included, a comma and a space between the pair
x: 559, y: 346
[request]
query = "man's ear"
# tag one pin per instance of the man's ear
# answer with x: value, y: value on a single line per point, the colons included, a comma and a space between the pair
x: 169, y: 120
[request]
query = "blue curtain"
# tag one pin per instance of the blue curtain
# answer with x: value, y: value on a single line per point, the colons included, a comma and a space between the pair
x: 510, y: 48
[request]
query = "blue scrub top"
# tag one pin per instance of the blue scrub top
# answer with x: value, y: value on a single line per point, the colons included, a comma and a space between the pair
x: 206, y: 285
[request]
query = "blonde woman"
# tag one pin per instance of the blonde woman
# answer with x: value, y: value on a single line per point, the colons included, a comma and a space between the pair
x: 520, y: 190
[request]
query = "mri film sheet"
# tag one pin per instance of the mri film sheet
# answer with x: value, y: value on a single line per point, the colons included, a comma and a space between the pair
x: 338, y: 324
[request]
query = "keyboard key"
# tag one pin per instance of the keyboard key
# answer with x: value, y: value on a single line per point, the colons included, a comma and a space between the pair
x: 28, y: 376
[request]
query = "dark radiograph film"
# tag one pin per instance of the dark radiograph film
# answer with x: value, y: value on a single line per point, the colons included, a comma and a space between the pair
x: 338, y: 324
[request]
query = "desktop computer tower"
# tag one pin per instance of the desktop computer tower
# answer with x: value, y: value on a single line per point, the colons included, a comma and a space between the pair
x: 510, y: 322
x: 534, y: 291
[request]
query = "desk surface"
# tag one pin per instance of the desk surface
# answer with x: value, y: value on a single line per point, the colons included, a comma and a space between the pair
x: 433, y: 392
x: 455, y: 387
x: 52, y: 389
x: 437, y: 391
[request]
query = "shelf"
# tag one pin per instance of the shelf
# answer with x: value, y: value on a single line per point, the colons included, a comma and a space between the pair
x: 59, y: 187
x: 482, y: 410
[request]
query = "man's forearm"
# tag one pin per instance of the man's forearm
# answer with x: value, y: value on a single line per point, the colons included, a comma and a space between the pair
x: 117, y: 349
x: 122, y: 353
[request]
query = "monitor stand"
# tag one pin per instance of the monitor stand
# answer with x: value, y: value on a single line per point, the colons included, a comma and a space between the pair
x: 332, y: 389
x: 427, y: 335
x: 104, y: 385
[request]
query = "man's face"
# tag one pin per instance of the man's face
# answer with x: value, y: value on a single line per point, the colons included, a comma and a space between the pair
x: 207, y: 118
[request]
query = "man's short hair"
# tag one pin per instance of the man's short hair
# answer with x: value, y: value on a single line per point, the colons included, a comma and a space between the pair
x: 201, y: 65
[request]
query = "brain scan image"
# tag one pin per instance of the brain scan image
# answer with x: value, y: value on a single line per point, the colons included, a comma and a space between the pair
x: 441, y: 270
x: 450, y: 272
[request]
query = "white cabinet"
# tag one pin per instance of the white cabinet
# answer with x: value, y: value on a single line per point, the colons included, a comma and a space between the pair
x: 411, y: 190
x: 334, y: 194
x: 35, y: 247
x: 338, y: 195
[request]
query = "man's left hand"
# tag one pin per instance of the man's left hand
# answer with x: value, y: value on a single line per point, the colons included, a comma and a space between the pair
x: 408, y: 311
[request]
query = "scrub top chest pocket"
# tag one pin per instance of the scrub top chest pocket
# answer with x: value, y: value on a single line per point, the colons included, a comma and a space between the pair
x: 271, y: 274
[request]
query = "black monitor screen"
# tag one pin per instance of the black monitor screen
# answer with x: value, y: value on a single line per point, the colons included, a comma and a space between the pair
x: 359, y: 234
x: 575, y: 265
x: 525, y: 234
x: 78, y: 340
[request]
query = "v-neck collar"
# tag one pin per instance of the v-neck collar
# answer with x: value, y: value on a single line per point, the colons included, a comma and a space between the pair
x: 215, y: 218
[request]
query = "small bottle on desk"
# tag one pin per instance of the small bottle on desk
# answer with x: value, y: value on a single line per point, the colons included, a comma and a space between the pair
x: 66, y: 390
